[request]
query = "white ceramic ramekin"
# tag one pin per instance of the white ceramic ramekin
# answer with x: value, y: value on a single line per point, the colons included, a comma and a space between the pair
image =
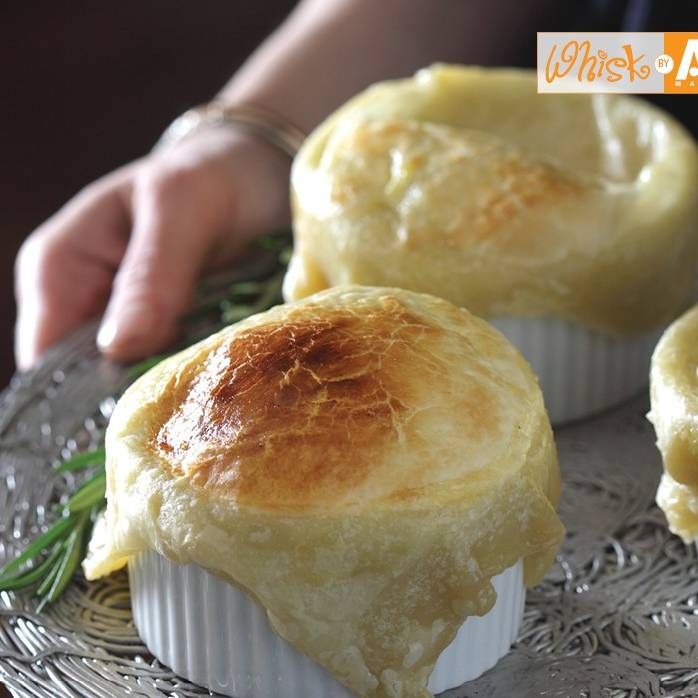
x: 213, y: 634
x: 581, y: 371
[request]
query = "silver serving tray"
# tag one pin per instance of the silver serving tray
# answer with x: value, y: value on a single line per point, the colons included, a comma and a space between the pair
x: 616, y: 616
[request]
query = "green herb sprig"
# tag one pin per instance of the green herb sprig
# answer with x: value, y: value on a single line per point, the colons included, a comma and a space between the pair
x: 49, y: 562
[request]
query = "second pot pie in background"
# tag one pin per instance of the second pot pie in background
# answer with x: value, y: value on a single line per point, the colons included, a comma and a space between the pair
x: 566, y: 220
x: 674, y: 413
x: 361, y: 465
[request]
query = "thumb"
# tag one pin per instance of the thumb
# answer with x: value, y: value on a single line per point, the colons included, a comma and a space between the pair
x: 157, y: 276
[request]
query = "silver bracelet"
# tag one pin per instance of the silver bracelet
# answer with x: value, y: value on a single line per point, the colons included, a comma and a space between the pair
x: 257, y: 121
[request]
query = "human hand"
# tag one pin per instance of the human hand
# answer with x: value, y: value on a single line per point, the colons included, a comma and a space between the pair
x: 136, y: 241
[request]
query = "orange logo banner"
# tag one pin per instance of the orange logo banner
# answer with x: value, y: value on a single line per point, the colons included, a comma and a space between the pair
x: 681, y: 56
x: 631, y: 62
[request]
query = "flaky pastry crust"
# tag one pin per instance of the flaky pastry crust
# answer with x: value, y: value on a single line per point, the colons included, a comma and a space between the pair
x: 467, y: 184
x: 362, y: 462
x: 674, y: 413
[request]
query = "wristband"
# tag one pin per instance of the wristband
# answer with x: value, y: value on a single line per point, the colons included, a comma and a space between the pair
x: 257, y: 121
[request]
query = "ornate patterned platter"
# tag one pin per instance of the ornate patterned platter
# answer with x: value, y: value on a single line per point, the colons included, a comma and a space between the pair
x: 616, y: 616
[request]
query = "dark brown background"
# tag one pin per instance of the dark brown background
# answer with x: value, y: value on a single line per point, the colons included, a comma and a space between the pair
x: 88, y: 86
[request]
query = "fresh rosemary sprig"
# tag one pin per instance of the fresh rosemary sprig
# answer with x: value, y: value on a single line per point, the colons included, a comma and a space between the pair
x: 81, y: 461
x: 48, y: 563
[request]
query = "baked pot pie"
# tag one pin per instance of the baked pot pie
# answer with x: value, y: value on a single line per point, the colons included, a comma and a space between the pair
x: 314, y: 500
x: 674, y: 413
x: 566, y: 220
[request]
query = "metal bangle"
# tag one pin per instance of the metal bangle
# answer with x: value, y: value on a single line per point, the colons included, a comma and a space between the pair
x: 257, y: 121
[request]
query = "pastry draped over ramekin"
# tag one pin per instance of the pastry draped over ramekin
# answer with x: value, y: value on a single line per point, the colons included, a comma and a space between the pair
x: 362, y: 463
x: 467, y: 184
x: 674, y: 413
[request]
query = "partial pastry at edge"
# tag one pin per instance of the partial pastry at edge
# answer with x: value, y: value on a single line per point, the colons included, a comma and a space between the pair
x: 674, y: 413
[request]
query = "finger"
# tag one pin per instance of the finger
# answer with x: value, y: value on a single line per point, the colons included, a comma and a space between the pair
x: 156, y: 280
x: 65, y: 269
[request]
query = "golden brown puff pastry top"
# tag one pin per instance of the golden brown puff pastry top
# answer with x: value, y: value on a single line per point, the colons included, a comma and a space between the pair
x: 674, y: 413
x: 348, y: 391
x: 467, y: 184
x: 362, y: 462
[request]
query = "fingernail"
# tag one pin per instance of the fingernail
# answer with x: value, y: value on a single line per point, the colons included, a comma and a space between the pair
x: 107, y: 333
x: 121, y: 329
x: 24, y: 362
